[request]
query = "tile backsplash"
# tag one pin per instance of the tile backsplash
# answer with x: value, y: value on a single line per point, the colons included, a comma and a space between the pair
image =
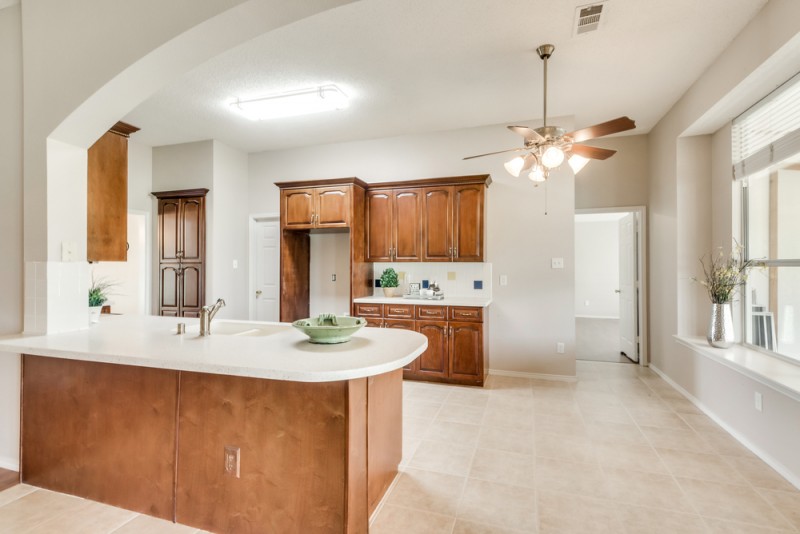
x: 455, y: 279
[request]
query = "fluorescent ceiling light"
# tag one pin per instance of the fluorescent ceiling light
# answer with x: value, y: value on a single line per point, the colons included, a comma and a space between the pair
x: 300, y: 102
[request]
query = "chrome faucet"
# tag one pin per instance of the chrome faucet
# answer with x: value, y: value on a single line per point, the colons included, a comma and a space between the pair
x: 207, y: 313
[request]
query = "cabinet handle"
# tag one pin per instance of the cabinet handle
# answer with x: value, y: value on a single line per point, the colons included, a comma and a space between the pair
x: 455, y: 252
x: 451, y: 331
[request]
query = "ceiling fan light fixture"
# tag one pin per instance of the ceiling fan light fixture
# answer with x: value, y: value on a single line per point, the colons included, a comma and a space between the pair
x: 292, y: 103
x: 538, y: 174
x: 577, y: 163
x: 514, y: 166
x: 552, y: 157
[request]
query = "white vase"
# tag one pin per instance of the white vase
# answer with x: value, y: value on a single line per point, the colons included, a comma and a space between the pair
x: 720, y: 326
x: 388, y: 291
x: 94, y: 314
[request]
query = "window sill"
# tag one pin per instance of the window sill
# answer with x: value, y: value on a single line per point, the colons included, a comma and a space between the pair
x: 781, y: 375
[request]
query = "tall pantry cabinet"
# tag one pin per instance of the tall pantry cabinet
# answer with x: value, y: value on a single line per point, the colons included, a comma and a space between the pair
x: 181, y: 252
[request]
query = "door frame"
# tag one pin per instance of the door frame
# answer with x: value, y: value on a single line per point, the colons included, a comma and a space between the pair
x: 641, y: 260
x: 253, y: 220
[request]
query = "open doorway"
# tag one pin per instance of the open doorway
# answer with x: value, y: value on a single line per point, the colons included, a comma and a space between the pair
x: 609, y: 292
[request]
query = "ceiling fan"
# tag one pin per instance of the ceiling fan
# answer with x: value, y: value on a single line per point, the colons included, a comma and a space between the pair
x: 546, y: 147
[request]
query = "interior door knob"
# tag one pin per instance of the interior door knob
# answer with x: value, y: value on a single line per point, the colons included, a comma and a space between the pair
x: 258, y: 293
x: 617, y: 291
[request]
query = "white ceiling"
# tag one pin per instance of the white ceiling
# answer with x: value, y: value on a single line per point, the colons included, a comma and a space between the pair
x: 416, y: 66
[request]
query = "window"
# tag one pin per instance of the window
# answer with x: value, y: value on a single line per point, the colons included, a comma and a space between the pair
x: 766, y: 148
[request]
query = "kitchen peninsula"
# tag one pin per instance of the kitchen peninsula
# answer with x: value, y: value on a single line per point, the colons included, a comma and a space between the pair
x: 252, y: 429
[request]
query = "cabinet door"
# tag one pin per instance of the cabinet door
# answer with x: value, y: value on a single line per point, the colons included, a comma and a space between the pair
x: 437, y: 223
x: 332, y: 207
x: 373, y: 322
x: 169, y: 286
x: 379, y: 225
x: 191, y: 295
x: 169, y: 227
x: 192, y: 230
x: 407, y: 225
x: 403, y: 324
x: 433, y: 362
x: 297, y: 207
x: 468, y: 222
x: 466, y: 351
x: 107, y: 193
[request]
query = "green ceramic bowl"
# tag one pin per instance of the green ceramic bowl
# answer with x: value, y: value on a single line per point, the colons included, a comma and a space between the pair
x: 329, y: 328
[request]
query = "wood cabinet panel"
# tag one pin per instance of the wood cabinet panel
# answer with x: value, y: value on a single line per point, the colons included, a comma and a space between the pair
x: 74, y: 436
x: 432, y: 312
x: 169, y: 212
x: 368, y: 310
x: 466, y: 351
x: 433, y: 362
x: 468, y: 221
x: 169, y: 283
x: 297, y: 208
x: 373, y: 322
x: 107, y: 199
x: 192, y: 288
x: 466, y: 313
x: 437, y: 224
x: 398, y: 311
x: 192, y: 229
x: 332, y: 207
x: 379, y: 225
x: 407, y: 224
x: 385, y: 417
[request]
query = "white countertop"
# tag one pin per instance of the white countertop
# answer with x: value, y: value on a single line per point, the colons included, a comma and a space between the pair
x: 478, y: 302
x: 150, y: 341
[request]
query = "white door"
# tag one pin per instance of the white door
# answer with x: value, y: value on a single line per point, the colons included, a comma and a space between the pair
x: 267, y: 269
x: 628, y: 316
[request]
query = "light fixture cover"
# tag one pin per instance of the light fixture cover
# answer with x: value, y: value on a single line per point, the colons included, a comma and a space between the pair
x: 537, y: 174
x: 552, y: 157
x: 300, y: 102
x: 514, y: 166
x: 577, y: 163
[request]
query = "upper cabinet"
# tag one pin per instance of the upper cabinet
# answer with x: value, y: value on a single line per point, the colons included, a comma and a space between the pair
x: 107, y: 196
x: 394, y: 224
x: 438, y: 219
x: 453, y: 223
x: 316, y: 207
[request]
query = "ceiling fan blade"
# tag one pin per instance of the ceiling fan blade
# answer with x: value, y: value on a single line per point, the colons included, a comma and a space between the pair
x: 528, y: 133
x: 620, y: 124
x: 498, y: 152
x: 592, y: 152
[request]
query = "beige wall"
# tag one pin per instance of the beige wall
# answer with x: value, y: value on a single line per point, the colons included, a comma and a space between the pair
x: 11, y: 268
x: 618, y: 181
x: 690, y: 209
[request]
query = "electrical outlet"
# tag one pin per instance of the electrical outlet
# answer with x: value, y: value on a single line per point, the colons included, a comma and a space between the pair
x: 560, y: 348
x: 235, y: 264
x: 333, y: 278
x: 759, y: 402
x: 401, y: 275
x: 585, y: 302
x: 503, y: 279
x: 451, y: 275
x: 557, y: 263
x: 232, y: 461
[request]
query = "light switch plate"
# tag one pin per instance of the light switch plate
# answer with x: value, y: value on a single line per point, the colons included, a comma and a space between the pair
x: 451, y: 275
x: 69, y: 250
x: 503, y: 279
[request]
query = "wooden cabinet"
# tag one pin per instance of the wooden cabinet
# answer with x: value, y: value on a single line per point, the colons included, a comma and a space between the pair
x: 107, y: 195
x: 316, y: 207
x: 453, y: 223
x: 394, y: 224
x: 181, y: 252
x: 457, y: 348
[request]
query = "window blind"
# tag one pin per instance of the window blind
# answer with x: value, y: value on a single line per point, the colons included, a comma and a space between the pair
x: 768, y: 132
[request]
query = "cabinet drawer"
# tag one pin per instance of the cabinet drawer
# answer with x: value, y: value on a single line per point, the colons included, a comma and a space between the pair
x: 403, y: 324
x: 373, y: 322
x: 462, y: 313
x: 432, y: 312
x: 368, y: 310
x: 398, y: 311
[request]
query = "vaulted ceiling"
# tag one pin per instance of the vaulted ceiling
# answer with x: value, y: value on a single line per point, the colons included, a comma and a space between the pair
x: 415, y: 66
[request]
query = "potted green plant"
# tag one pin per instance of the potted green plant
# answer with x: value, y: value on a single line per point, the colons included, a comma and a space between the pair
x: 98, y: 295
x: 389, y: 281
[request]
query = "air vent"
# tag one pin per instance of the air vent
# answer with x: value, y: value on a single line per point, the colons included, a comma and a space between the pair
x: 588, y: 18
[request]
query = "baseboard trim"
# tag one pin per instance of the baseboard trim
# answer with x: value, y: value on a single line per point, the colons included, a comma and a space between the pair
x: 767, y: 458
x: 595, y: 317
x: 540, y: 376
x: 12, y: 464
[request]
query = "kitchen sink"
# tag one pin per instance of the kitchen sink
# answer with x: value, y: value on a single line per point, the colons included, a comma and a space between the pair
x: 236, y: 328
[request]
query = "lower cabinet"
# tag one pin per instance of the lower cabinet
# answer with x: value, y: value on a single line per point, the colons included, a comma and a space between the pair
x: 456, y: 343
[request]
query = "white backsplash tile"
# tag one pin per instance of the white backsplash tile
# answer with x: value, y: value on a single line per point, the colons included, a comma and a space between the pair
x: 462, y: 286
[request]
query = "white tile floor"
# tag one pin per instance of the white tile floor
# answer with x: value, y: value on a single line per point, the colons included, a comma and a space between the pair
x: 617, y: 451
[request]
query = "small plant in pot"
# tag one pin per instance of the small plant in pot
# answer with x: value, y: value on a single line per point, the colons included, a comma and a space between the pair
x: 98, y: 295
x: 389, y: 281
